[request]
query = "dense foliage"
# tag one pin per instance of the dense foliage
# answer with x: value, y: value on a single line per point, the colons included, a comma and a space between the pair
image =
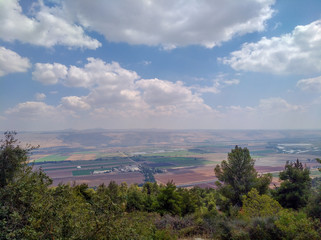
x: 239, y: 176
x: 295, y: 188
x: 30, y: 208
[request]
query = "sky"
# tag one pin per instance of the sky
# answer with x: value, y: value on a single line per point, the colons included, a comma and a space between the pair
x: 135, y: 64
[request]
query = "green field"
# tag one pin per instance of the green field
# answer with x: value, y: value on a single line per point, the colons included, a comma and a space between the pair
x: 171, y: 154
x: 262, y: 152
x: 315, y: 173
x: 83, y: 172
x: 173, y: 161
x: 52, y: 158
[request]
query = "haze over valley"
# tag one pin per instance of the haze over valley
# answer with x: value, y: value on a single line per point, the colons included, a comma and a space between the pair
x: 188, y: 157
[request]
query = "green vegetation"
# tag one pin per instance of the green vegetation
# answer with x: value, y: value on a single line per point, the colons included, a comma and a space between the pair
x: 170, y: 154
x: 86, y: 166
x: 82, y: 172
x: 256, y: 205
x: 52, y: 158
x: 31, y: 209
x: 263, y: 152
x: 295, y: 188
x: 166, y: 162
x: 239, y: 176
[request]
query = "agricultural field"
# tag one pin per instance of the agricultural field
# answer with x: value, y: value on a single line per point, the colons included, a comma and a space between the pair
x: 186, y: 157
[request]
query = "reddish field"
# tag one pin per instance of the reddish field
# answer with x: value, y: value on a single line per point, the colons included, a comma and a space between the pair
x: 75, y: 157
x: 188, y: 176
x: 96, y: 180
x: 203, y: 176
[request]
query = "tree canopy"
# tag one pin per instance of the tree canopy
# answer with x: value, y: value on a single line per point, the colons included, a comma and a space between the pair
x: 295, y: 186
x: 239, y: 176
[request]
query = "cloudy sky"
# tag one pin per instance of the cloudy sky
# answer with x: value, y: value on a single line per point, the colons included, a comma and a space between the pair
x: 195, y: 64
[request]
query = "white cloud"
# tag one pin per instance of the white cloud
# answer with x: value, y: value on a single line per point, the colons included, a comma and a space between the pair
x: 32, y: 110
x: 171, y: 23
x: 40, y: 96
x: 118, y: 92
x: 158, y: 92
x: 34, y: 115
x: 98, y: 73
x: 74, y: 103
x: 11, y: 62
x: 296, y: 52
x: 95, y: 73
x: 276, y: 105
x: 49, y: 74
x: 110, y: 85
x: 218, y: 84
x: 238, y: 108
x: 46, y: 27
x: 232, y: 82
x: 312, y: 84
x: 269, y: 113
x: 216, y: 88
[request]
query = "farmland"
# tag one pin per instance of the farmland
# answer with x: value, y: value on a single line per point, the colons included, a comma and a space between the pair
x: 186, y: 157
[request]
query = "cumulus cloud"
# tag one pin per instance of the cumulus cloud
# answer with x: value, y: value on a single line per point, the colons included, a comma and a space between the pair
x: 116, y: 91
x: 296, y: 52
x: 32, y: 110
x: 35, y: 115
x: 160, y: 92
x: 109, y: 84
x: 98, y: 73
x: 49, y: 74
x: 11, y: 62
x: 311, y: 84
x: 171, y: 23
x: 47, y: 27
x: 74, y: 103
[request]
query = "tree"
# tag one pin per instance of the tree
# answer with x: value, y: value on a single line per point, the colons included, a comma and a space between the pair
x: 239, y: 176
x: 23, y: 192
x: 135, y: 199
x: 256, y: 205
x: 295, y: 189
x: 188, y: 204
x: 313, y: 208
x: 12, y: 157
x: 169, y: 200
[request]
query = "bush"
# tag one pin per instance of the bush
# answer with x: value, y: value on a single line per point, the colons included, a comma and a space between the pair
x: 297, y: 226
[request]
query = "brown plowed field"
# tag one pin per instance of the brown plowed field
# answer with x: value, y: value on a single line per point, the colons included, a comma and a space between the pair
x: 96, y: 180
x: 186, y: 176
x: 75, y: 157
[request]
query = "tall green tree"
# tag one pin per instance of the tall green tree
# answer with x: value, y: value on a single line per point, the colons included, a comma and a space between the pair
x: 12, y: 157
x: 238, y: 176
x: 22, y: 191
x: 295, y: 189
x: 169, y: 200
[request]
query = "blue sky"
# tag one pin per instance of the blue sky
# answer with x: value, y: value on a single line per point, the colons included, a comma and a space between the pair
x: 207, y: 64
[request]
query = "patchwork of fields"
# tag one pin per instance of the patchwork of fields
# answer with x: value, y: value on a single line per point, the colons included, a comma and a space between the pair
x: 186, y: 157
